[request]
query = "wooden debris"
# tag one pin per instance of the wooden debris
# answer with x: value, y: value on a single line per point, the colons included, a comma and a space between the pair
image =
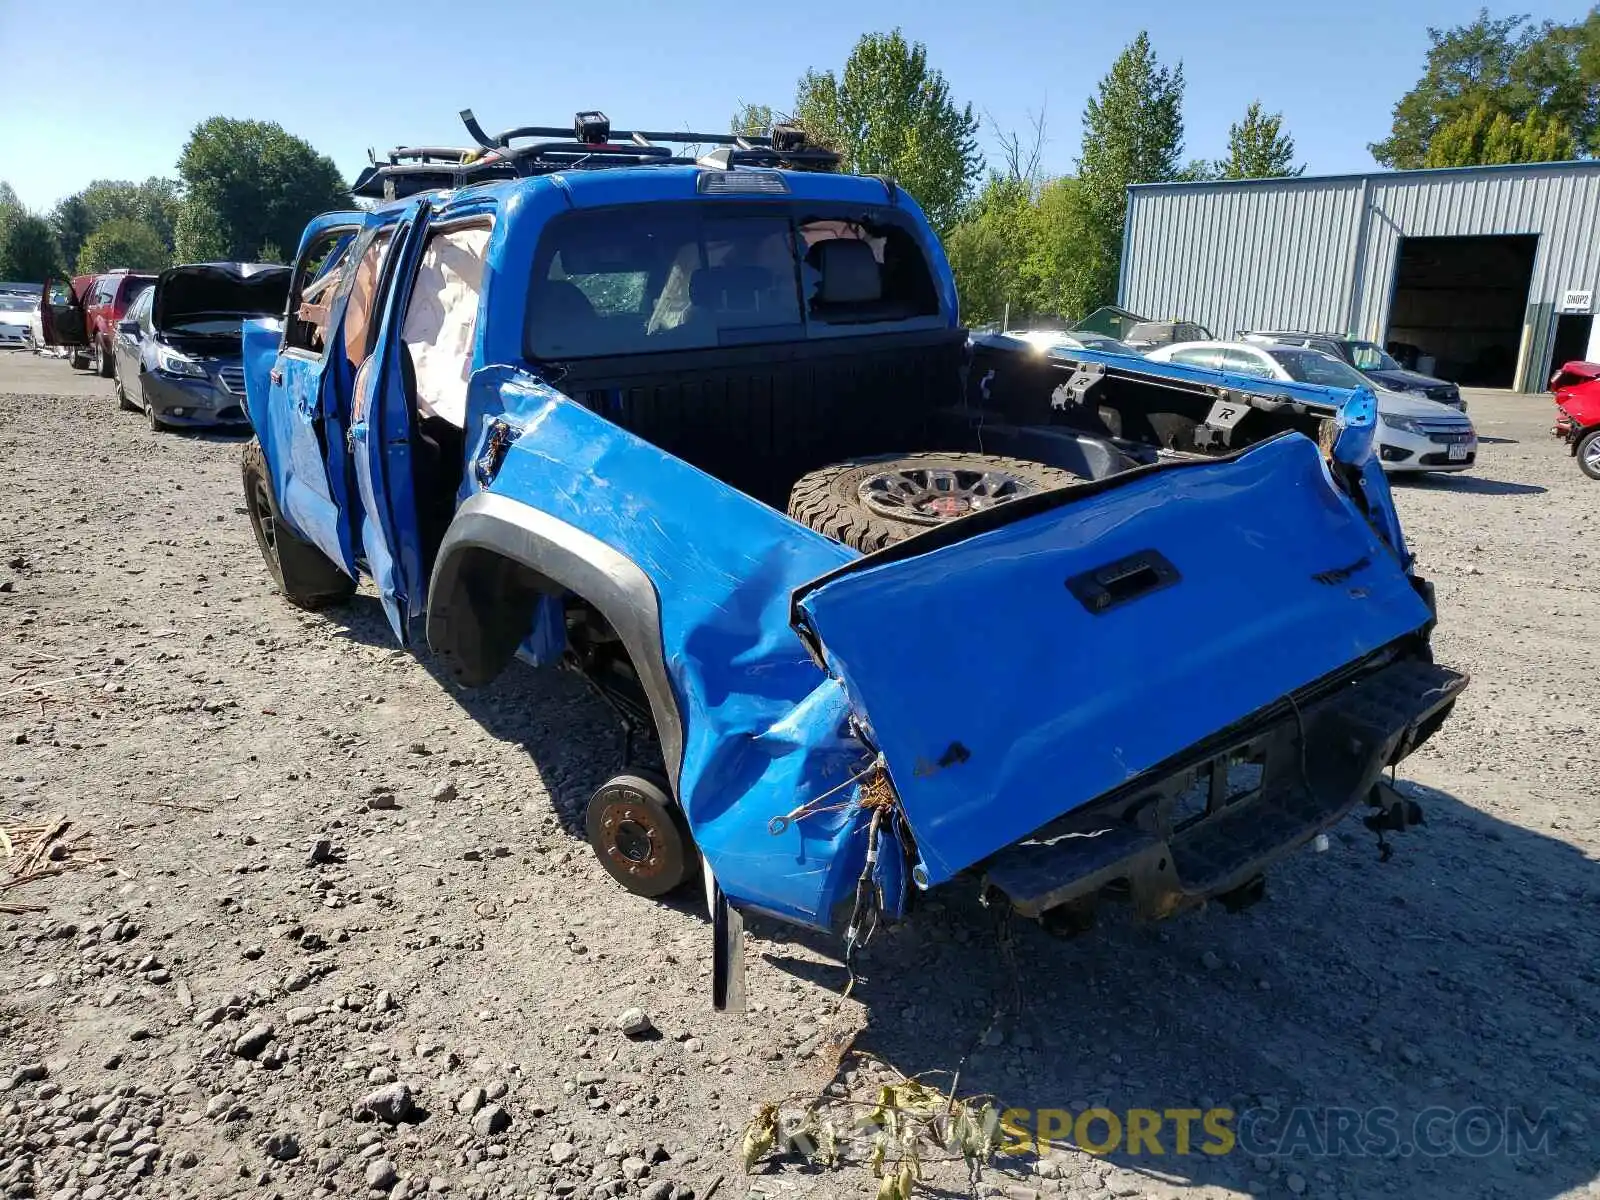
x: 49, y: 683
x: 41, y: 873
x: 41, y: 846
x: 195, y: 808
x: 40, y: 851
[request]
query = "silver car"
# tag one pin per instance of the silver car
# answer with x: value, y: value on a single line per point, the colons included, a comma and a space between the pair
x: 16, y: 311
x: 1415, y: 434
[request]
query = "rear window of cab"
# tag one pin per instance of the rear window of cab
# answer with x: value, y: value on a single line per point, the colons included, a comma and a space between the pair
x: 637, y: 280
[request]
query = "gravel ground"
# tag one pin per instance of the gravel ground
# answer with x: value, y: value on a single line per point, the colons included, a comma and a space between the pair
x: 336, y: 931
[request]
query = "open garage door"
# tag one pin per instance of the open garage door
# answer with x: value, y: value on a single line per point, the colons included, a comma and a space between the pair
x: 1570, y: 343
x: 1462, y: 302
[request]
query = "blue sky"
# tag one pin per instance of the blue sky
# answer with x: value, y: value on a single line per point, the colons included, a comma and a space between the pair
x: 112, y: 90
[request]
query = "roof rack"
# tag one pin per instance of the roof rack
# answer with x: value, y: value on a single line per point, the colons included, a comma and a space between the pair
x: 1316, y: 333
x: 589, y: 144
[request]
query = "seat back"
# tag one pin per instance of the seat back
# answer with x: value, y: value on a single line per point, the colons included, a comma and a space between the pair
x: 565, y: 316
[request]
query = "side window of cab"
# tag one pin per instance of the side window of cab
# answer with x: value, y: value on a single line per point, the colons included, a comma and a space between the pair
x: 318, y: 281
x: 360, y: 329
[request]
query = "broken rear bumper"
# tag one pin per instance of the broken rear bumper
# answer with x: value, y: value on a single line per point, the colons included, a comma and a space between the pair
x: 1190, y: 833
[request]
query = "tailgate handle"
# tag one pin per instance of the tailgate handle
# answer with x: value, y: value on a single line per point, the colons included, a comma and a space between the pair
x: 1117, y: 583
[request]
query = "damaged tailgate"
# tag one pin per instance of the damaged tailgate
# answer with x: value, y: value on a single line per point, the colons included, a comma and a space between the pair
x: 1080, y: 638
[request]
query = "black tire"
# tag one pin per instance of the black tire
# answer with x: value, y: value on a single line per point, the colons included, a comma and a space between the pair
x: 79, y: 358
x: 123, y: 402
x: 157, y: 425
x: 104, y: 364
x: 831, y: 500
x: 1589, y: 453
x: 640, y: 836
x: 298, y: 569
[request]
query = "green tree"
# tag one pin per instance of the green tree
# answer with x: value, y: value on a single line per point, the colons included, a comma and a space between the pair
x: 153, y: 203
x: 890, y: 114
x: 1058, y: 267
x: 1026, y: 248
x: 1508, y: 66
x: 1198, y: 170
x: 73, y: 223
x: 1484, y: 136
x: 752, y: 120
x: 1258, y: 148
x: 10, y: 206
x: 988, y: 247
x: 250, y: 184
x: 1132, y: 133
x: 28, y: 250
x: 123, y: 242
x: 199, y: 235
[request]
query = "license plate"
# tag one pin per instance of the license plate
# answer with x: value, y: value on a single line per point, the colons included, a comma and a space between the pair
x: 1458, y: 452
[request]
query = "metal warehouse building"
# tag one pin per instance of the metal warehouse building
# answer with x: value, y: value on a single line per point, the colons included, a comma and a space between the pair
x: 1482, y: 275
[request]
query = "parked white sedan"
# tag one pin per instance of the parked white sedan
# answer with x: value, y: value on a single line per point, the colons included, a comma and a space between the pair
x: 14, y: 310
x: 1414, y: 434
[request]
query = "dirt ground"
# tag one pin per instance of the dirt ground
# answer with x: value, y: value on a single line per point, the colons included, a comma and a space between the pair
x: 210, y: 991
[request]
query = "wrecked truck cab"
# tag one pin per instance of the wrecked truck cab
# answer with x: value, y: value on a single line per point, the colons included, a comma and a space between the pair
x: 879, y: 606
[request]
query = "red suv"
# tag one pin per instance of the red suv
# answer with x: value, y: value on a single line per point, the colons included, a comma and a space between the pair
x: 87, y: 324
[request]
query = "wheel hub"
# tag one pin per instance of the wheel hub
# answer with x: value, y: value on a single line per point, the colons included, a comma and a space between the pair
x: 934, y: 495
x: 631, y: 840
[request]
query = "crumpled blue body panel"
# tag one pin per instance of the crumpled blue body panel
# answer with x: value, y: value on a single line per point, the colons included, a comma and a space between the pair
x: 997, y: 700
x: 766, y: 730
x: 1001, y: 700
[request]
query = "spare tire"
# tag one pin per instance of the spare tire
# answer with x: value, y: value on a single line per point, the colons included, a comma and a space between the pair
x: 870, y: 503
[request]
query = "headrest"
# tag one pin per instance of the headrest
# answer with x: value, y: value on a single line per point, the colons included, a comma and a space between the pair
x: 850, y: 273
x: 729, y: 289
x: 560, y: 299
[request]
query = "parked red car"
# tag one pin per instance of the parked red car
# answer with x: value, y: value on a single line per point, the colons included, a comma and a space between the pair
x: 1577, y: 389
x: 87, y: 325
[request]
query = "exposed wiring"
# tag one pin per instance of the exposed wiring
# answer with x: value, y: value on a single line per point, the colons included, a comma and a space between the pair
x: 852, y: 933
x: 1385, y: 848
x: 815, y: 805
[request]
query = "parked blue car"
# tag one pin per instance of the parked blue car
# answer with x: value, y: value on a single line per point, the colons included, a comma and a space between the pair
x: 889, y: 607
x: 177, y: 353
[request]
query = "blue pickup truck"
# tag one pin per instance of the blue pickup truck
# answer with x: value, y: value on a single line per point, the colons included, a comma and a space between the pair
x: 887, y: 605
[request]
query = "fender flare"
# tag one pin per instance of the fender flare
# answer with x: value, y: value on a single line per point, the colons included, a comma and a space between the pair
x: 473, y: 610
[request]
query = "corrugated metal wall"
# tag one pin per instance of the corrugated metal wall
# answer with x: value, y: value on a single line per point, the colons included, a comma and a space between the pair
x: 1321, y: 253
x: 1236, y: 257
